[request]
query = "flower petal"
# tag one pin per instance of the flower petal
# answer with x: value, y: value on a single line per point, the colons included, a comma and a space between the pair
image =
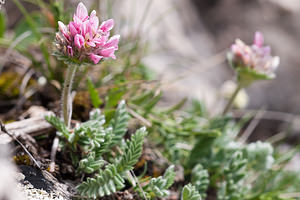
x: 107, y: 25
x: 81, y: 11
x: 91, y: 44
x: 267, y: 50
x: 63, y: 29
x: 113, y: 42
x: 70, y: 51
x: 258, y: 39
x: 95, y: 58
x: 94, y: 21
x: 86, y: 29
x: 275, y: 62
x: 108, y: 53
x: 79, y: 41
x: 73, y: 29
x: 100, y: 41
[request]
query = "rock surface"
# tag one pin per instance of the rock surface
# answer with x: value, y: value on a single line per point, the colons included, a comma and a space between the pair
x: 41, y: 185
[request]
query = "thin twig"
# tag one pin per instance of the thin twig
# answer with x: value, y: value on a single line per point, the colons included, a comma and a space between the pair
x: 253, y: 124
x: 25, y: 81
x: 137, y: 181
x: 268, y: 115
x: 276, y: 138
x: 290, y: 195
x: 4, y: 130
x: 139, y: 117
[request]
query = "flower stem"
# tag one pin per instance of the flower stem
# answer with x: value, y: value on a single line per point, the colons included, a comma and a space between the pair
x: 231, y: 100
x: 66, y: 110
x: 66, y: 95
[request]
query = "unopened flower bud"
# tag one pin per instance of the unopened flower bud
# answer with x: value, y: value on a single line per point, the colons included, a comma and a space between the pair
x: 253, y: 62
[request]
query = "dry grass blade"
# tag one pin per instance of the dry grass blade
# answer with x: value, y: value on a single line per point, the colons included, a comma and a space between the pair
x: 253, y: 124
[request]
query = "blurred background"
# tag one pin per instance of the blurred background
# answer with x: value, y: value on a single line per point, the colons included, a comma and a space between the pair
x: 173, y: 48
x: 188, y: 43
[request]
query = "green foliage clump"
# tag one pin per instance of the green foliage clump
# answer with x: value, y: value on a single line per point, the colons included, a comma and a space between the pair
x: 99, y: 152
x: 200, y: 179
x: 190, y: 192
x: 111, y: 179
x: 234, y: 171
x: 119, y: 123
x: 90, y: 140
x: 259, y: 155
x: 158, y: 187
x: 214, y: 159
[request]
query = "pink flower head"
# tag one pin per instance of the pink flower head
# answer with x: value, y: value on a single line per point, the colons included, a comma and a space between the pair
x: 256, y: 56
x: 86, y: 40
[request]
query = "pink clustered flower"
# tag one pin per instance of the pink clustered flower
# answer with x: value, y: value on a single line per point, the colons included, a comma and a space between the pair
x: 256, y: 56
x: 84, y: 39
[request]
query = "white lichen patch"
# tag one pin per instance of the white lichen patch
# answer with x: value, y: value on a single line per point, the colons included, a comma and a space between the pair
x: 32, y: 193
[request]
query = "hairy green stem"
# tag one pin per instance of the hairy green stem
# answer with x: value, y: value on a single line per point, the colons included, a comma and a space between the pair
x: 66, y: 95
x: 232, y: 98
x: 66, y: 110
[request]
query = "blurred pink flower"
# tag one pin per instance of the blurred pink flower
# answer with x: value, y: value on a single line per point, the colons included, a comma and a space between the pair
x: 84, y: 39
x: 256, y: 56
